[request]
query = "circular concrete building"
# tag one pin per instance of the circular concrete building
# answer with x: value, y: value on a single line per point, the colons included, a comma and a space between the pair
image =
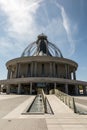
x: 42, y: 65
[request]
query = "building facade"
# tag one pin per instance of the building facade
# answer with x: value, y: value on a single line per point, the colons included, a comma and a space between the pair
x: 42, y: 65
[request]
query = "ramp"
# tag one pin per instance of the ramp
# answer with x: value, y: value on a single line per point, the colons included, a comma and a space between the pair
x: 57, y: 105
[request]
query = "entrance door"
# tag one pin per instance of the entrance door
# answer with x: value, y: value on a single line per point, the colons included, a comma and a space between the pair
x: 41, y: 86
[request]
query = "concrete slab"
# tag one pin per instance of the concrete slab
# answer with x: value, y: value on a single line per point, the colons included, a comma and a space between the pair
x: 4, y: 96
x: 23, y: 124
x: 57, y: 105
x: 7, y: 105
x: 73, y: 127
x: 19, y: 110
x: 63, y: 118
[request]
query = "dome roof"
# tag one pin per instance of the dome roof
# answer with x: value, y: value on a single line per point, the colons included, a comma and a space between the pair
x: 42, y: 47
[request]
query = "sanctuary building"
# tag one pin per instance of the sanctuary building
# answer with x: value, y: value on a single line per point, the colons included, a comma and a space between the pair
x: 42, y: 65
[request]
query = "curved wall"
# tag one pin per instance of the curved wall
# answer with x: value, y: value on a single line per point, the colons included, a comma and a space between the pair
x: 41, y: 66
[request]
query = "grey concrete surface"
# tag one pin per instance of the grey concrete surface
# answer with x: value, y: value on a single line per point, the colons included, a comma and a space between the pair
x: 81, y: 99
x: 8, y: 104
x: 63, y: 118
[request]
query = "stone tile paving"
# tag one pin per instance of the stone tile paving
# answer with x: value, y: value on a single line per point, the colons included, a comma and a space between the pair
x: 23, y: 124
x: 7, y: 105
x: 63, y: 118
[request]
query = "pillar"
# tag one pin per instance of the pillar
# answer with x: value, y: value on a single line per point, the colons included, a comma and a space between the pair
x: 46, y: 90
x: 32, y: 69
x: 77, y: 90
x: 54, y: 85
x: 58, y: 71
x: 11, y: 74
x: 0, y: 88
x: 19, y: 89
x: 66, y: 73
x: 54, y: 69
x: 54, y: 88
x: 84, y: 90
x: 17, y: 70
x: 50, y: 69
x: 74, y: 74
x: 66, y: 88
x: 8, y: 89
x: 9, y: 71
x: 35, y: 69
x: 28, y: 70
x: 30, y: 88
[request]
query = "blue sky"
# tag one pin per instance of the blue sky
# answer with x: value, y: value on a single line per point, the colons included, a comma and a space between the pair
x: 63, y: 21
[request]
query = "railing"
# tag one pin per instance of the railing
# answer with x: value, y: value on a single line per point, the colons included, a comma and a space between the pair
x: 44, y: 100
x: 71, y: 102
x: 68, y: 100
x: 47, y: 107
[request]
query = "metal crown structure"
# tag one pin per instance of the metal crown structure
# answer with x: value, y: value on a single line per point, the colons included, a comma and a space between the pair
x: 42, y: 47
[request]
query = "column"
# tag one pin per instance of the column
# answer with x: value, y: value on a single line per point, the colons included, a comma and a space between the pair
x: 77, y: 90
x: 54, y: 85
x: 8, y: 89
x: 66, y: 88
x: 46, y: 90
x: 17, y: 70
x: 54, y: 88
x: 84, y: 90
x: 28, y: 70
x: 70, y: 75
x: 50, y: 69
x: 30, y: 88
x: 58, y: 75
x: 54, y: 69
x: 35, y: 69
x: 19, y: 88
x: 8, y: 76
x: 0, y: 89
x: 66, y: 73
x: 11, y: 74
x: 32, y: 69
x: 74, y: 74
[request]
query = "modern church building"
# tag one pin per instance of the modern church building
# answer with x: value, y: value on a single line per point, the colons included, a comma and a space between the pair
x: 42, y: 65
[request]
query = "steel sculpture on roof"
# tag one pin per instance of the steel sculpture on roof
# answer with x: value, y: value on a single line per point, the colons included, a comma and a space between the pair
x: 42, y: 47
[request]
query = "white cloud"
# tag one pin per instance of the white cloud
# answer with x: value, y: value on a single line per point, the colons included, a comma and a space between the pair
x: 21, y: 20
x: 66, y: 25
x: 20, y: 25
x: 20, y: 14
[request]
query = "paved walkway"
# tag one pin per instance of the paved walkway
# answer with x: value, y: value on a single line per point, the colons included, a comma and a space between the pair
x: 63, y: 118
x: 57, y: 105
x: 20, y: 109
x: 81, y: 100
x: 4, y: 96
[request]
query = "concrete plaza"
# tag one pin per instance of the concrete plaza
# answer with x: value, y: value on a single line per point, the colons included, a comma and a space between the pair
x: 12, y: 107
